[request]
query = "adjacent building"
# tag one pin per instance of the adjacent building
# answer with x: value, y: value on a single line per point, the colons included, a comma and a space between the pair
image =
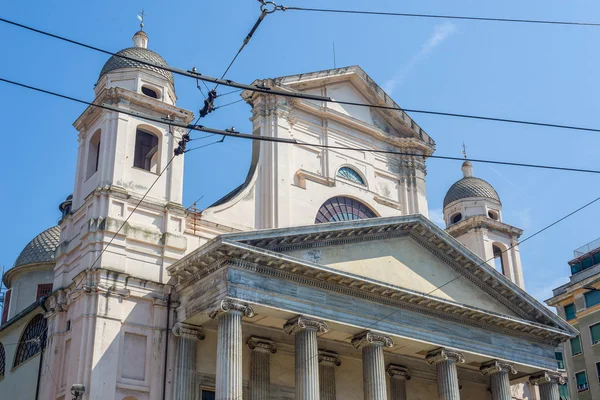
x: 318, y: 277
x: 578, y: 302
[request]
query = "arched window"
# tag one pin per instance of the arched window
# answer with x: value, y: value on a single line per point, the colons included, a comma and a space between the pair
x: 149, y: 92
x: 33, y: 340
x: 2, y: 360
x: 456, y: 218
x: 499, y: 259
x: 342, y: 208
x: 146, y: 151
x: 351, y: 175
x: 93, y: 154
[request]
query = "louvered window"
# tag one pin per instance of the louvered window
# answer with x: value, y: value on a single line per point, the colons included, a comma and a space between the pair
x: 43, y: 290
x: 33, y: 340
x: 2, y: 360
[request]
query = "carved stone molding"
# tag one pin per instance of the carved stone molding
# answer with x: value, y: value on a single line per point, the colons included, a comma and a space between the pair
x: 369, y: 338
x: 300, y: 322
x: 230, y: 305
x: 261, y: 344
x: 329, y: 357
x: 188, y: 331
x: 547, y: 377
x: 495, y: 366
x: 439, y: 355
x: 396, y: 371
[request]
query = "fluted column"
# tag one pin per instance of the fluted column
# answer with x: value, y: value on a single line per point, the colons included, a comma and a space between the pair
x: 184, y: 387
x: 328, y: 360
x: 307, y: 355
x: 260, y: 367
x: 548, y: 384
x: 398, y: 376
x: 498, y: 372
x: 372, y: 345
x: 229, y: 348
x: 447, y: 376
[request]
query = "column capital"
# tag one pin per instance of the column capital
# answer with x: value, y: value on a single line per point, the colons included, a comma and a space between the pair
x: 188, y: 331
x: 329, y: 357
x: 547, y: 377
x: 439, y: 355
x: 231, y: 305
x: 495, y: 366
x: 396, y: 371
x: 262, y: 344
x: 369, y: 338
x: 300, y: 323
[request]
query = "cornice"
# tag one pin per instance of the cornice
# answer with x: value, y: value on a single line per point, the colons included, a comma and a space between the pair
x: 482, y: 221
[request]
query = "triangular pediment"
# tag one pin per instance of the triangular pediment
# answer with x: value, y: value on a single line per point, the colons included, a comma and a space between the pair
x: 353, y: 85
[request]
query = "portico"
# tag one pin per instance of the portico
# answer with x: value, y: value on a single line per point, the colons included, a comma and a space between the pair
x: 375, y: 335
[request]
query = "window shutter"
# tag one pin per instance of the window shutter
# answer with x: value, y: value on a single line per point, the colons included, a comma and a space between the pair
x: 595, y: 332
x: 575, y: 346
x: 570, y: 312
x: 6, y: 306
x: 592, y: 298
x: 581, y: 378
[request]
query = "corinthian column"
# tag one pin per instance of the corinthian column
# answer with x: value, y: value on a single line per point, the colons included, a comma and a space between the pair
x: 185, y: 372
x: 260, y: 367
x: 328, y: 360
x: 229, y: 348
x: 548, y: 384
x: 447, y: 376
x: 499, y: 379
x: 307, y: 356
x: 398, y: 376
x: 373, y: 364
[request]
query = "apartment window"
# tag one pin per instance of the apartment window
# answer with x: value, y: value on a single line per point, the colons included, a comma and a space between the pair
x: 592, y: 298
x: 559, y: 360
x: 570, y: 312
x: 576, y: 346
x: 575, y: 268
x: 208, y: 394
x: 582, y: 383
x: 595, y: 333
x: 598, y: 371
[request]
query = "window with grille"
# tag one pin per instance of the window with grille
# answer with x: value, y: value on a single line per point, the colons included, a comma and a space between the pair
x: 33, y: 340
x: 582, y: 383
x: 576, y: 346
x: 6, y: 306
x: 351, y: 175
x: 43, y: 290
x: 342, y: 208
x: 2, y: 360
x: 570, y: 312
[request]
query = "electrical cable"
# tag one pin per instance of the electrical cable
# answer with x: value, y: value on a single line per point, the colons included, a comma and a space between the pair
x: 413, y: 15
x: 248, y: 136
x: 230, y: 104
x: 304, y: 96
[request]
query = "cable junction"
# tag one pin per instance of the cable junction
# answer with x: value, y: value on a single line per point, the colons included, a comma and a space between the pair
x: 233, y: 133
x: 264, y: 89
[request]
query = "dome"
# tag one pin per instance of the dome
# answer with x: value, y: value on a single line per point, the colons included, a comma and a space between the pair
x: 139, y: 52
x: 41, y: 248
x: 470, y: 186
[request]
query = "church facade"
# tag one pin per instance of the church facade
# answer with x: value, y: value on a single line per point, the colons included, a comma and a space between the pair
x: 319, y: 277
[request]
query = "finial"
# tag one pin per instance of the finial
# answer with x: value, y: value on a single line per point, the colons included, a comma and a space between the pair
x: 464, y: 150
x: 141, y: 18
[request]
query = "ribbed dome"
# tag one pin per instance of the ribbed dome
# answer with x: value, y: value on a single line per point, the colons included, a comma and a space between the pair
x: 470, y: 187
x: 141, y: 53
x: 41, y: 248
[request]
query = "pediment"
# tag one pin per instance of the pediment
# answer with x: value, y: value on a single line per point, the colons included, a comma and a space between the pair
x: 398, y: 260
x: 352, y: 84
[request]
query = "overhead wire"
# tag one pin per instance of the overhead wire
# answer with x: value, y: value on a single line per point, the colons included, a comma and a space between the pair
x: 438, y: 16
x: 247, y: 136
x: 304, y: 96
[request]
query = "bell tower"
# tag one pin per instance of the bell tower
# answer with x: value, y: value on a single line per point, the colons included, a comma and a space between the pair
x: 120, y: 158
x: 473, y: 215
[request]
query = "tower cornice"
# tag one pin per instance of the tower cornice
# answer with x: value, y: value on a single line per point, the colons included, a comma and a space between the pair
x: 482, y: 221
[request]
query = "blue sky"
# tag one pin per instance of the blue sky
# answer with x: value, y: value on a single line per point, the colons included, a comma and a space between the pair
x: 533, y: 72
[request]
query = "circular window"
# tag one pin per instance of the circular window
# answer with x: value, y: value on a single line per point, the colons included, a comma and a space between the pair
x: 493, y: 215
x: 456, y: 218
x: 342, y: 208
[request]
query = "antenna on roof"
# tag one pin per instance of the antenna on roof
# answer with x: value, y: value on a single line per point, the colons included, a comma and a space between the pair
x: 141, y: 18
x: 334, y: 55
